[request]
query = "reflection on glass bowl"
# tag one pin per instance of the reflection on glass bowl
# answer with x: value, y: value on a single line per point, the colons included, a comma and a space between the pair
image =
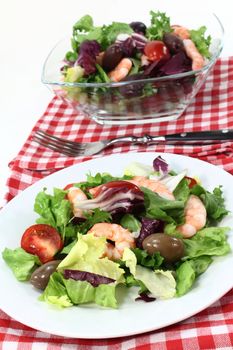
x: 135, y: 101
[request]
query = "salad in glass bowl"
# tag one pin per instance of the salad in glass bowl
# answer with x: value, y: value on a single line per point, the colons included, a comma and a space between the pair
x: 126, y: 73
x: 151, y: 229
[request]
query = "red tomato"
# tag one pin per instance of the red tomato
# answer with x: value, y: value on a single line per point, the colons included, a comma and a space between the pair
x: 42, y: 240
x: 156, y: 50
x: 67, y: 187
x: 191, y: 181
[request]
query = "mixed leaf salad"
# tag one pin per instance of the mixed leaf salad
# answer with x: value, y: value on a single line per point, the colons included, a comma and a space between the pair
x: 152, y: 229
x: 133, y: 51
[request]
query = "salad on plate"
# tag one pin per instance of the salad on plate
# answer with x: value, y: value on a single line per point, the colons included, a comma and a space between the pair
x: 152, y: 230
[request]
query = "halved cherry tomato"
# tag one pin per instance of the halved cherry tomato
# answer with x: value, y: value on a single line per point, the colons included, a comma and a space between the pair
x: 42, y: 240
x: 191, y: 181
x: 156, y: 50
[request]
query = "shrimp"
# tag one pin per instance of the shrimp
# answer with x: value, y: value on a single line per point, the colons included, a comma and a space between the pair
x: 76, y: 194
x: 154, y: 185
x: 121, y: 70
x: 121, y: 238
x: 181, y: 32
x: 192, y: 52
x: 195, y: 217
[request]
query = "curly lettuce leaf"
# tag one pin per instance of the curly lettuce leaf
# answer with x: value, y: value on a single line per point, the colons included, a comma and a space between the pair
x: 160, y: 24
x: 202, y: 43
x: 56, y: 211
x: 214, y: 202
x: 99, y: 179
x: 97, y: 215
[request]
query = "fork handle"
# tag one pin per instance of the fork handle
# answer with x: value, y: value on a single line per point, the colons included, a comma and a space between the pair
x: 214, y: 135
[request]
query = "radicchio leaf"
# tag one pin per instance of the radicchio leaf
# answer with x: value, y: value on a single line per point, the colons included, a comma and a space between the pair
x: 148, y: 227
x: 129, y: 43
x: 93, y: 278
x: 178, y: 63
x: 115, y: 197
x: 88, y: 51
x: 145, y: 297
x: 159, y: 164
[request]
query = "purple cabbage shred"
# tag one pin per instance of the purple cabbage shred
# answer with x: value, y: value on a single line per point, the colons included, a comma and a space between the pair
x: 93, y: 278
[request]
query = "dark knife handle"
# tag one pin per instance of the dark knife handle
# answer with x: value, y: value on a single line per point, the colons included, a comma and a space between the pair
x: 224, y: 134
x: 192, y: 138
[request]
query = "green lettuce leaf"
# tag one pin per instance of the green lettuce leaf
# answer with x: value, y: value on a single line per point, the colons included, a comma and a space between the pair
x: 144, y: 259
x: 161, y: 284
x: 161, y: 208
x: 138, y: 169
x: 208, y: 241
x: 111, y: 32
x: 201, y: 264
x: 188, y: 271
x: 82, y: 292
x: 55, y: 292
x: 182, y: 191
x: 84, y: 24
x: 129, y: 222
x: 214, y: 202
x: 21, y: 263
x: 56, y: 211
x: 86, y: 255
x: 185, y: 277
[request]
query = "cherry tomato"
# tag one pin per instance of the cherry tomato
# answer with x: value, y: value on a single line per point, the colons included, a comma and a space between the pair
x: 67, y: 187
x: 156, y: 50
x: 191, y: 181
x: 42, y: 240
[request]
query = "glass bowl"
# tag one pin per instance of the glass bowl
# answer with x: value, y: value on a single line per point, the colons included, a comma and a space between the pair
x: 138, y: 101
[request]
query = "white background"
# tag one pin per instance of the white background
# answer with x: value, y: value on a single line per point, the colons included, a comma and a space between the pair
x: 28, y: 31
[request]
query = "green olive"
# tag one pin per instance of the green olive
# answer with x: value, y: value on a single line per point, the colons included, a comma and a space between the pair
x: 170, y: 248
x: 40, y: 277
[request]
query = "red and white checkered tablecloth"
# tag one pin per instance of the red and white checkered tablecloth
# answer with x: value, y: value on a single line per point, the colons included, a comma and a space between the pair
x: 211, y: 109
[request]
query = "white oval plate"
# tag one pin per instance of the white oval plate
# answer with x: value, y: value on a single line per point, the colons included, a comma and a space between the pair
x: 20, y: 299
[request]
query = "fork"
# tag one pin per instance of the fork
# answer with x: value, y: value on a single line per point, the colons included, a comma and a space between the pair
x: 75, y: 149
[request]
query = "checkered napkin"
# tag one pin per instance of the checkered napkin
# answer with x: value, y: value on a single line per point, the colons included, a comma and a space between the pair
x: 211, y: 109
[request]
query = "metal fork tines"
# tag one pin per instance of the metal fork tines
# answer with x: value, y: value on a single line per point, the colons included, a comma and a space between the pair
x: 69, y: 148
